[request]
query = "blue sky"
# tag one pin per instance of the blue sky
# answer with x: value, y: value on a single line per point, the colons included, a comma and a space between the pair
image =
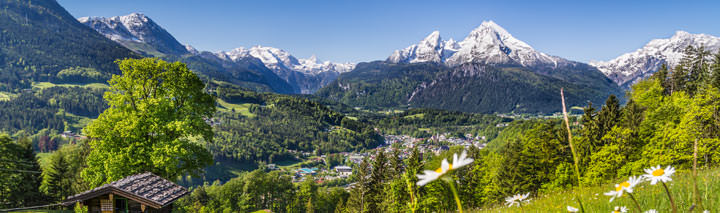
x: 355, y: 31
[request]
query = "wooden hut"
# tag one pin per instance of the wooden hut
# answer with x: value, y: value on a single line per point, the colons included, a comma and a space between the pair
x: 144, y: 192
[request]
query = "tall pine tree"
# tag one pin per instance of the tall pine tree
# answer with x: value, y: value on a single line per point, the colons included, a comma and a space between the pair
x: 55, y: 179
x: 716, y: 70
x: 377, y: 180
x: 359, y: 190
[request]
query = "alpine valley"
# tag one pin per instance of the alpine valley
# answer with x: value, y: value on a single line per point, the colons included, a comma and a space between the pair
x: 115, y: 113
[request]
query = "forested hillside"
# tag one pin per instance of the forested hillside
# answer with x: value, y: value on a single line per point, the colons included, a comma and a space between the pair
x: 55, y: 108
x: 40, y: 39
x: 468, y: 88
x: 379, y: 85
x: 422, y: 123
x: 268, y: 127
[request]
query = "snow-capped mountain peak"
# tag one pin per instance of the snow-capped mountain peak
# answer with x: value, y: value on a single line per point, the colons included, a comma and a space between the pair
x: 432, y: 40
x: 631, y: 67
x: 120, y: 27
x: 135, y: 27
x: 489, y: 43
x: 431, y: 49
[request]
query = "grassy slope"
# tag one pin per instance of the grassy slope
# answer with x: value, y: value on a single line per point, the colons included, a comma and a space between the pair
x: 44, y: 85
x: 6, y: 96
x: 243, y: 109
x: 649, y: 196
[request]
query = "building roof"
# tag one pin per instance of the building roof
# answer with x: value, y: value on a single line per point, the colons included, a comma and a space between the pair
x: 146, y: 188
x: 343, y: 167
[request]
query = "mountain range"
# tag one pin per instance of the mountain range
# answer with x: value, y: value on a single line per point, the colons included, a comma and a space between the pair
x: 629, y: 68
x: 141, y: 34
x: 488, y: 71
x: 480, y: 73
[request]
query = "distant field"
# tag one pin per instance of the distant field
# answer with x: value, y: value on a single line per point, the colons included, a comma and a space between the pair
x: 43, y: 85
x: 649, y: 196
x: 76, y: 121
x: 45, y: 211
x: 5, y: 96
x: 419, y: 116
x: 243, y: 109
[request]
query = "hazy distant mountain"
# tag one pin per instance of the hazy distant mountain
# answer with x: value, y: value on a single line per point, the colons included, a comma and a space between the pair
x: 141, y: 34
x: 306, y: 75
x: 488, y: 71
x: 629, y: 68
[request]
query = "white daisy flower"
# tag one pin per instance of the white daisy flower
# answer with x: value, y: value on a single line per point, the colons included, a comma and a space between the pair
x: 620, y: 209
x: 651, y: 211
x: 626, y: 186
x: 572, y: 209
x: 706, y: 211
x: 429, y: 175
x: 657, y: 173
x: 517, y: 199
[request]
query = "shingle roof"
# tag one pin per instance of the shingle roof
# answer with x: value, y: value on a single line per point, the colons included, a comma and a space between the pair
x: 146, y: 188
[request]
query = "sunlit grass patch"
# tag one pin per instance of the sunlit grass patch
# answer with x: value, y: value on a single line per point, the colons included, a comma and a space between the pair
x: 243, y: 109
x: 5, y: 96
x: 419, y: 116
x: 45, y: 85
x: 648, y: 196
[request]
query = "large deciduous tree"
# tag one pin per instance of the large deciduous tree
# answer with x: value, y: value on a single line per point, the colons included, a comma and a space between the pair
x: 157, y: 110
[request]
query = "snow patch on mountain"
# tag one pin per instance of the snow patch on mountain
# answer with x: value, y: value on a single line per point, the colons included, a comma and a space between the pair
x: 191, y: 49
x: 634, y: 66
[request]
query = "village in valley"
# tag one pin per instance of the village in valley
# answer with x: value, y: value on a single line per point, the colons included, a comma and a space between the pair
x: 321, y: 169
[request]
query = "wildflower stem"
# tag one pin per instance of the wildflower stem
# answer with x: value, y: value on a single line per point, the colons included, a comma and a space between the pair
x: 413, y: 202
x: 672, y: 202
x: 572, y: 148
x: 451, y: 182
x: 696, y: 192
x: 635, y: 201
x: 582, y: 209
